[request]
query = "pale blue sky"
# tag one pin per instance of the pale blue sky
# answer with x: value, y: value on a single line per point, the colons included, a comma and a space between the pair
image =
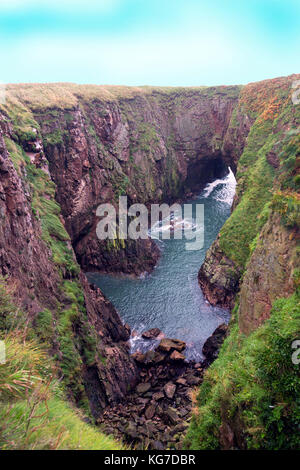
x: 153, y: 42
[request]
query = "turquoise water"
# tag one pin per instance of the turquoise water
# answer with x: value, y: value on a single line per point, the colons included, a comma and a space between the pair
x: 170, y: 297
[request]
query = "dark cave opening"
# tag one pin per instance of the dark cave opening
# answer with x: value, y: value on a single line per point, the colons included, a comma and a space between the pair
x: 203, y: 171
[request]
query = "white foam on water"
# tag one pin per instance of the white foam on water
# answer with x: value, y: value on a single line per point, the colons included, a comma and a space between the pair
x: 177, y: 225
x: 227, y: 190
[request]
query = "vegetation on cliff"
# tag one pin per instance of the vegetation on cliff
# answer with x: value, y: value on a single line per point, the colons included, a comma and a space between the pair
x: 34, y: 412
x: 250, y: 395
x: 154, y: 144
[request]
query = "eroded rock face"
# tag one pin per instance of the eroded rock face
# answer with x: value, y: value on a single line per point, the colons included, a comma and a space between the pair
x: 21, y: 245
x: 153, y: 147
x: 38, y: 284
x: 219, y: 277
x: 268, y: 275
x: 114, y: 372
x: 214, y: 342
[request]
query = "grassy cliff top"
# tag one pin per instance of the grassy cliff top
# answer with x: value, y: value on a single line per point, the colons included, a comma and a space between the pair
x: 40, y: 96
x: 67, y: 95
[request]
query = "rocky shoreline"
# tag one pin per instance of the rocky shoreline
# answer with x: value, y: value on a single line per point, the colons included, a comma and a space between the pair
x: 156, y: 414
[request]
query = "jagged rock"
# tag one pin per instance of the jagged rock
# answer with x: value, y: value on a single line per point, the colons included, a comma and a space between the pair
x: 183, y: 412
x: 192, y: 380
x: 179, y: 428
x: 143, y: 388
x: 158, y: 396
x: 219, y: 277
x: 177, y: 356
x: 170, y: 344
x: 150, y: 411
x: 213, y: 343
x: 181, y: 381
x: 150, y: 357
x: 169, y: 390
x: 152, y: 333
x: 131, y: 430
x: 172, y: 415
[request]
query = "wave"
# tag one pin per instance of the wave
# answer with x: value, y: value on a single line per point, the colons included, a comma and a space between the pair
x: 223, y: 189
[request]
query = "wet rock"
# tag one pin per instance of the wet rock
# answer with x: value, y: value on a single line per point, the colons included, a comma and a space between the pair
x: 152, y: 333
x: 159, y: 357
x: 149, y: 358
x: 213, y: 343
x: 170, y: 344
x: 177, y: 356
x: 169, y: 390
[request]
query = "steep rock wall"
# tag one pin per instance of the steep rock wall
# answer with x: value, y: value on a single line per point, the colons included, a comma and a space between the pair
x: 79, y: 326
x: 153, y: 145
x: 248, y: 399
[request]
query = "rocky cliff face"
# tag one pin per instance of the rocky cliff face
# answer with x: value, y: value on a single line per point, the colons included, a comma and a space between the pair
x: 81, y: 328
x: 260, y: 170
x: 269, y: 274
x: 66, y: 148
x: 253, y: 266
x: 153, y: 145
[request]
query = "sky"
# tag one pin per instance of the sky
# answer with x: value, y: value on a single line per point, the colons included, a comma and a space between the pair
x: 148, y: 42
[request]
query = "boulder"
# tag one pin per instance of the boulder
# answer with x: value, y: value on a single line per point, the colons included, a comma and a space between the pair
x: 150, y: 411
x: 149, y: 358
x: 172, y: 416
x: 157, y: 445
x: 170, y: 344
x: 192, y: 380
x: 152, y: 333
x: 158, y: 396
x: 143, y: 388
x: 169, y: 390
x: 177, y: 356
x: 139, y: 357
x: 181, y: 381
x: 131, y: 430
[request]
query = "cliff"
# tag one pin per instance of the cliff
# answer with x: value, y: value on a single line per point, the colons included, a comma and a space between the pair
x: 80, y: 327
x: 66, y: 148
x: 248, y: 399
